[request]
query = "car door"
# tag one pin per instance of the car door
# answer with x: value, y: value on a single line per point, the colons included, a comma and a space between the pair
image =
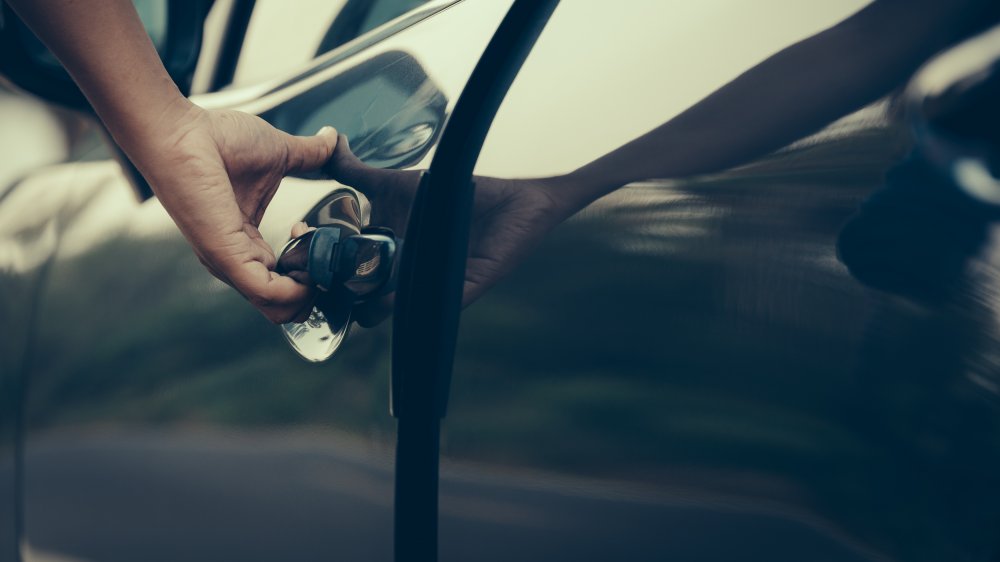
x: 684, y: 371
x: 687, y: 370
x: 23, y: 253
x: 164, y: 418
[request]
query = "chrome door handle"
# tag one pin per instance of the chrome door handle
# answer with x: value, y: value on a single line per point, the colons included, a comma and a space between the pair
x: 349, y: 262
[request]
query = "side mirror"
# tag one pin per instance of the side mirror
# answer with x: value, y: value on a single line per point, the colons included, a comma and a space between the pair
x: 175, y: 28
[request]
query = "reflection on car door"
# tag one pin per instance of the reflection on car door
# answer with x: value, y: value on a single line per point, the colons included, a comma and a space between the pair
x: 686, y: 371
x: 166, y: 419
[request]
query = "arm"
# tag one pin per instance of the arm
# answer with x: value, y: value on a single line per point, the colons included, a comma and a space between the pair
x: 214, y: 171
x: 788, y: 96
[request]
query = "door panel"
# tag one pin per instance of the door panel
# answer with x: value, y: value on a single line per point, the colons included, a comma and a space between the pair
x: 686, y: 370
x: 684, y: 362
x: 166, y: 418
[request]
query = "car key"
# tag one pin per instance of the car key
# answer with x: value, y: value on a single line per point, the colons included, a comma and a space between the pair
x: 350, y: 264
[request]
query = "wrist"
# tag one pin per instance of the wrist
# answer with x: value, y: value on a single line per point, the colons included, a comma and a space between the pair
x: 155, y: 124
x: 159, y: 146
x: 574, y: 191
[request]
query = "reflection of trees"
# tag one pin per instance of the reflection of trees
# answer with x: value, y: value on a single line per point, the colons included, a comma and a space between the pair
x: 709, y: 324
x: 931, y: 428
x: 156, y: 347
x: 923, y: 395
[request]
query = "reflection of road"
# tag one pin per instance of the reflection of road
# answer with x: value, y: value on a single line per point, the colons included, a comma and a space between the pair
x: 218, y: 496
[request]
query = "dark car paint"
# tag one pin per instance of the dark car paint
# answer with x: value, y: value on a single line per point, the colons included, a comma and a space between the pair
x: 133, y: 439
x: 684, y: 371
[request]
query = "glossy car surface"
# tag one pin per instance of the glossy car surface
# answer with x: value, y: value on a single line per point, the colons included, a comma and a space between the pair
x: 684, y: 371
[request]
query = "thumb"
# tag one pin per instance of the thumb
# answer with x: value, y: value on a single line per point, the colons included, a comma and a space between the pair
x: 345, y: 167
x: 308, y: 154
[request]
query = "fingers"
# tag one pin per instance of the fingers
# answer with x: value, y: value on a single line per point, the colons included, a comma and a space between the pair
x: 300, y: 228
x: 308, y: 154
x: 279, y: 298
x: 303, y: 315
x: 247, y: 265
x: 345, y: 167
x: 471, y: 291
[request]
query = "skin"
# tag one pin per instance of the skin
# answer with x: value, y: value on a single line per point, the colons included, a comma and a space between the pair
x: 792, y: 94
x: 216, y: 171
x: 509, y: 218
x: 786, y: 97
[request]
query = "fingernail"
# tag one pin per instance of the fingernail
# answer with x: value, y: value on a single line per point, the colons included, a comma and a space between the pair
x: 326, y: 130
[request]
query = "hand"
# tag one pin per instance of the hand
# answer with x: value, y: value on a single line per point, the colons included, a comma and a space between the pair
x: 215, y: 172
x: 509, y: 218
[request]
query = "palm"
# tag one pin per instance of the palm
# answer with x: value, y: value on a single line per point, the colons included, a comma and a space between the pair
x: 509, y: 218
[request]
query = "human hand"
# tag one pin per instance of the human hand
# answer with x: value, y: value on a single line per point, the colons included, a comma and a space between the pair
x: 215, y: 172
x: 509, y: 218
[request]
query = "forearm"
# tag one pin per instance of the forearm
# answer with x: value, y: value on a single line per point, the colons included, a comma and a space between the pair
x: 214, y: 172
x: 791, y: 94
x: 106, y: 50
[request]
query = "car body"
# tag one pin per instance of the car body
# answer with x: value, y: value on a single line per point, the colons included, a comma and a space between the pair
x: 683, y: 371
